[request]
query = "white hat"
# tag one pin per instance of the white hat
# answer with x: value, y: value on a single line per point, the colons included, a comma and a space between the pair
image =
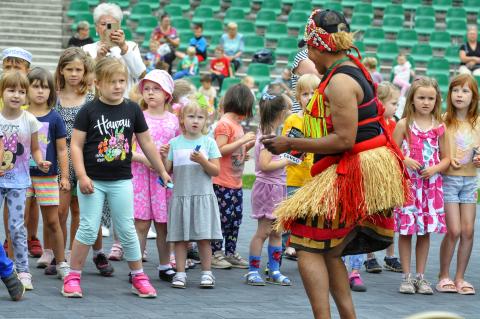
x: 17, y: 53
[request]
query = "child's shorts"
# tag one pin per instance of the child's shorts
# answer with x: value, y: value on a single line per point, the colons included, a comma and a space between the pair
x: 265, y: 197
x: 460, y: 189
x: 45, y: 190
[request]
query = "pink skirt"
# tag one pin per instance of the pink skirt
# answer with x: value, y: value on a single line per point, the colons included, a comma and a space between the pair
x: 265, y: 197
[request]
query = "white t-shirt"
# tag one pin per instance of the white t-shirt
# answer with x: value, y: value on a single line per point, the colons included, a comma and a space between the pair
x: 17, y: 136
x: 403, y: 71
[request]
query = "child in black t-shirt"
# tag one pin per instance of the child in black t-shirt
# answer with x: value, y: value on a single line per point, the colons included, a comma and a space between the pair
x: 102, y: 155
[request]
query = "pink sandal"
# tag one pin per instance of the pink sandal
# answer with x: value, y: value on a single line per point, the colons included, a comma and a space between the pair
x: 446, y: 285
x: 116, y: 253
x: 465, y: 288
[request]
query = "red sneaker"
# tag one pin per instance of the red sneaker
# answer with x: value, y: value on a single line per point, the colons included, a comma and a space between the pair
x: 142, y: 287
x: 34, y: 247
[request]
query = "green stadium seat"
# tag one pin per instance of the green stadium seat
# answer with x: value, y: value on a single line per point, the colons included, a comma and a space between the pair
x: 387, y: 51
x: 424, y: 25
x: 264, y: 18
x: 285, y: 46
x: 425, y: 11
x: 288, y: 2
x: 477, y: 77
x: 182, y: 24
x: 373, y: 36
x: 276, y: 31
x: 93, y: 3
x: 245, y: 5
x: 259, y: 72
x: 360, y: 22
x: 392, y: 24
x: 291, y: 58
x: 394, y: 10
x: 128, y: 34
x: 233, y: 15
x: 297, y: 20
x: 456, y: 13
x: 212, y: 4
x: 185, y: 40
x: 363, y: 8
x: 437, y: 66
x: 139, y: 11
x: 471, y: 6
x: 337, y: 6
x: 93, y: 33
x: 227, y: 83
x: 146, y: 24
x: 440, y: 39
x: 443, y: 81
x: 77, y: 7
x: 411, y: 5
x: 213, y: 28
x: 173, y: 10
x: 273, y: 5
x: 201, y: 14
x: 146, y: 40
x: 457, y: 27
x: 360, y: 46
x: 195, y: 79
x: 124, y: 4
x: 442, y: 5
x: 452, y: 54
x: 212, y: 44
x: 246, y: 28
x: 302, y: 6
x: 184, y: 4
x: 407, y: 38
x: 381, y: 4
x: 85, y: 16
x: 349, y: 3
x: 253, y: 43
x: 154, y: 4
x: 422, y: 52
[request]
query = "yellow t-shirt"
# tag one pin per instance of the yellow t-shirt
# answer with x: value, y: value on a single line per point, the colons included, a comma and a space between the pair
x: 462, y: 140
x: 297, y: 175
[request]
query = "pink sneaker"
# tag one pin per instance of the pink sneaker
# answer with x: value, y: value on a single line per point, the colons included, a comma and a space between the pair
x: 116, y: 253
x: 141, y: 286
x: 71, y: 286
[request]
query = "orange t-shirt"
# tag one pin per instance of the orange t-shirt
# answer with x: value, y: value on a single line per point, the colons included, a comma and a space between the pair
x: 231, y: 165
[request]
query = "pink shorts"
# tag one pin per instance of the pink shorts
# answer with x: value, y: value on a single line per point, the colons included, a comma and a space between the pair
x: 265, y: 197
x: 150, y: 199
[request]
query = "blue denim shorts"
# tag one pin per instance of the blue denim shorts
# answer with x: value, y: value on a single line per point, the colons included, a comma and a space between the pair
x: 460, y: 189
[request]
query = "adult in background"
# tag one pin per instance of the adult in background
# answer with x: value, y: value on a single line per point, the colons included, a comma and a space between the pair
x: 168, y: 40
x: 232, y: 43
x: 470, y: 53
x: 339, y: 211
x: 112, y: 43
x: 82, y: 37
x: 301, y: 65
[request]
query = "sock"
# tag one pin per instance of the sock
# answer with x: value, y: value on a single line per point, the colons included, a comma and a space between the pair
x: 137, y: 272
x: 78, y: 272
x: 405, y: 275
x: 389, y: 257
x: 274, y: 257
x: 97, y: 252
x: 181, y: 274
x: 254, y: 263
x: 419, y: 276
x: 164, y: 267
x: 207, y: 272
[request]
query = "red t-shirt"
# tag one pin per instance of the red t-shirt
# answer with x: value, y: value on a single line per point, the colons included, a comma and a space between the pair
x: 221, y: 65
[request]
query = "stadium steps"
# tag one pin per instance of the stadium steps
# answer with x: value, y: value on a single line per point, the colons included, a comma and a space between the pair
x: 35, y: 26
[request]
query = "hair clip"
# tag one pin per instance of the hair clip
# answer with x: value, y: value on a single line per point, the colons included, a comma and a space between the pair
x: 268, y: 97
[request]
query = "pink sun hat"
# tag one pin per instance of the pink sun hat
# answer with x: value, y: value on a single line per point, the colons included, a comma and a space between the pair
x: 160, y: 77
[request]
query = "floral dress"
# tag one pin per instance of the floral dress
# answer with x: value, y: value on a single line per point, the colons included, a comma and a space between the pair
x: 423, y: 213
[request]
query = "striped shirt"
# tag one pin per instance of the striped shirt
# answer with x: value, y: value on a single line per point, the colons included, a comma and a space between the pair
x: 301, y: 55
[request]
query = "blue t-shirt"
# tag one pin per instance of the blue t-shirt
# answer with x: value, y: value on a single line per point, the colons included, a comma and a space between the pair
x: 232, y: 46
x: 53, y: 128
x: 200, y: 45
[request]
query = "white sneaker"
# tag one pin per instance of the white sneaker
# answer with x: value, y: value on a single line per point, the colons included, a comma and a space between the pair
x: 26, y: 279
x: 45, y: 259
x: 105, y: 231
x: 151, y: 234
x: 63, y: 269
x: 68, y: 256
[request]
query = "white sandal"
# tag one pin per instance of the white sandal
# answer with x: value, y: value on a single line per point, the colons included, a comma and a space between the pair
x: 207, y: 281
x: 179, y: 282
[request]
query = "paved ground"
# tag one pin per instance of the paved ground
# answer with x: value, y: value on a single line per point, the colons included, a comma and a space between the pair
x: 232, y: 298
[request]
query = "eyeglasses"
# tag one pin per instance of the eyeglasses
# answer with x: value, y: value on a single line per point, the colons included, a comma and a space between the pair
x: 153, y: 89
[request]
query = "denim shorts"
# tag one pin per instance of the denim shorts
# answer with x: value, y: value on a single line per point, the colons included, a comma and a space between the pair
x: 460, y: 189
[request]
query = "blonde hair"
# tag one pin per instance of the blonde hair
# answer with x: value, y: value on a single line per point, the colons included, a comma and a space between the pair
x: 422, y: 82
x: 68, y: 56
x: 385, y: 91
x: 193, y: 106
x: 135, y: 96
x: 107, y: 67
x: 246, y: 79
x: 191, y: 50
x: 13, y: 80
x: 182, y: 88
x: 370, y: 62
x: 306, y: 82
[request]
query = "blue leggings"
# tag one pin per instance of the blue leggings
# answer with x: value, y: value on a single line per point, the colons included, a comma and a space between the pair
x: 6, y: 265
x: 119, y: 195
x: 355, y: 261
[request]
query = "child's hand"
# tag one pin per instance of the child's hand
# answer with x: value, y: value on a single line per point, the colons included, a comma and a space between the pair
x: 248, y: 138
x: 198, y: 157
x: 86, y: 185
x: 2, y: 172
x: 250, y: 144
x: 455, y: 163
x: 476, y: 161
x: 44, y: 166
x: 428, y: 172
x: 164, y: 149
x: 412, y: 164
x: 64, y: 184
x: 166, y: 179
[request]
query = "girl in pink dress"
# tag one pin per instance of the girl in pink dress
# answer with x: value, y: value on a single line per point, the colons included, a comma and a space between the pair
x: 420, y: 133
x: 150, y: 198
